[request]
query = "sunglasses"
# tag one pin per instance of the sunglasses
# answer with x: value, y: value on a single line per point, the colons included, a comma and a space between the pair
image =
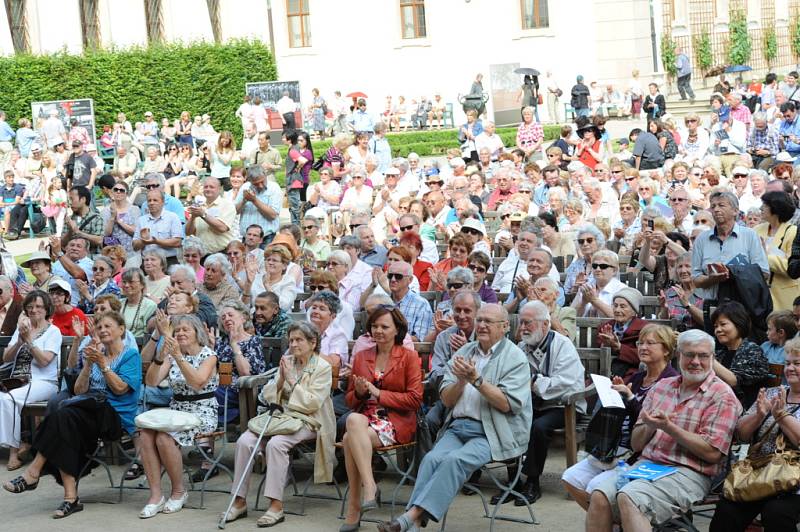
x: 455, y: 286
x: 698, y: 222
x: 317, y: 287
x: 596, y: 266
x: 309, y: 227
x: 476, y: 268
x: 151, y: 186
x: 679, y: 200
x: 617, y: 171
x: 407, y: 228
x: 504, y: 216
x: 690, y: 121
x: 120, y: 190
x: 582, y: 241
x: 395, y: 276
x: 470, y: 231
x: 629, y: 179
x: 739, y: 176
x: 94, y: 269
x: 526, y: 192
x: 439, y: 183
x: 355, y: 226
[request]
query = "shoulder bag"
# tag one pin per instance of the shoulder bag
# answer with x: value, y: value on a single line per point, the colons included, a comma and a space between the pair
x: 756, y: 479
x: 286, y: 422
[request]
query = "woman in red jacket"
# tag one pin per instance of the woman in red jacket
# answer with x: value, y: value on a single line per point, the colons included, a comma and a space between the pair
x: 384, y: 392
x: 621, y: 334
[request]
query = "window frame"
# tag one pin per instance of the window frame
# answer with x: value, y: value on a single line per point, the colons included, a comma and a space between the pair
x: 303, y: 14
x: 414, y: 5
x: 534, y: 15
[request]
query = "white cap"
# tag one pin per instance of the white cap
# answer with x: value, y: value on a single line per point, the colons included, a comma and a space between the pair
x: 472, y: 223
x: 60, y: 283
x: 740, y: 170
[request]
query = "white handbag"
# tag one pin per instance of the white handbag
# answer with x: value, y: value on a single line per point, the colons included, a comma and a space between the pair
x: 167, y: 420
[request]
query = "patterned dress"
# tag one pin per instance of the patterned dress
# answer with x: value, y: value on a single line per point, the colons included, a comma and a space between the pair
x: 377, y: 416
x: 206, y: 409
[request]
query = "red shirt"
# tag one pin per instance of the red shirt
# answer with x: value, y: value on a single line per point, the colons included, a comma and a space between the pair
x: 710, y: 412
x: 422, y: 275
x: 64, y: 321
x: 586, y: 158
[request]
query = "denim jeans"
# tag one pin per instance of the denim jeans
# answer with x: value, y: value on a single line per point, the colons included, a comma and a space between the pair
x: 685, y: 86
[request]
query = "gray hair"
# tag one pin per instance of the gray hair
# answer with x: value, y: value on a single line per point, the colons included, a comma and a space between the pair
x: 539, y: 310
x: 341, y: 256
x: 129, y: 273
x: 413, y: 155
x: 306, y: 329
x: 327, y: 298
x: 220, y: 260
x: 313, y: 220
x: 254, y: 172
x: 156, y: 252
x: 576, y: 166
x: 753, y: 210
x: 105, y: 260
x: 5, y: 281
x: 401, y: 163
x: 413, y: 217
x: 651, y: 212
x: 378, y: 299
x: 194, y: 321
x: 591, y: 229
x: 350, y: 240
x: 545, y: 280
x: 760, y: 116
x: 156, y: 176
x: 609, y: 255
x: 239, y: 307
x: 695, y: 337
x: 185, y: 269
x: 474, y: 298
x: 733, y: 201
x: 193, y: 243
x: 461, y: 274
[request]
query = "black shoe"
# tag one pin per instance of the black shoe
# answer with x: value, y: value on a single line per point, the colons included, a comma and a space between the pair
x: 496, y: 497
x: 200, y: 474
x: 531, y: 494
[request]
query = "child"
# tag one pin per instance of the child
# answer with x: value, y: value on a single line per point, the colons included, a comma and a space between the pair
x: 624, y: 153
x: 55, y: 206
x: 12, y: 195
x: 781, y: 327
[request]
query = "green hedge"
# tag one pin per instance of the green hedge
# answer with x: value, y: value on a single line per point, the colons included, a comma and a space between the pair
x: 199, y: 78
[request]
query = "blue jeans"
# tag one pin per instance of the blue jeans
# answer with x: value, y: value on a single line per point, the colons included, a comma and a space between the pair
x: 296, y: 197
x: 462, y: 450
x: 581, y: 112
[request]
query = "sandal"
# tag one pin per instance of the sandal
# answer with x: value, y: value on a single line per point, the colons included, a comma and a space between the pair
x: 13, y: 466
x: 20, y: 485
x: 68, y: 508
x: 134, y: 472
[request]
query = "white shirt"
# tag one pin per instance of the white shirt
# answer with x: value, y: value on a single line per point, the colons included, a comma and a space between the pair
x: 357, y: 200
x: 50, y: 341
x: 606, y: 295
x: 440, y: 218
x: 505, y: 275
x: 430, y: 253
x: 494, y: 143
x: 285, y: 105
x: 469, y: 404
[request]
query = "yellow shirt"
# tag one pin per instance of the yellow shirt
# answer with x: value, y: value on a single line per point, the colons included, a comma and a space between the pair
x: 223, y: 210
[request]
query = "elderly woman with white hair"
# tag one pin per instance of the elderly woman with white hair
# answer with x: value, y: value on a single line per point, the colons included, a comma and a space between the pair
x: 589, y: 239
x: 594, y: 297
x: 373, y: 174
x: 101, y: 284
x: 154, y: 264
x: 327, y: 192
x: 340, y: 264
x: 193, y: 252
x: 562, y: 319
x: 358, y: 196
x: 556, y: 198
x: 217, y: 283
x: 649, y: 194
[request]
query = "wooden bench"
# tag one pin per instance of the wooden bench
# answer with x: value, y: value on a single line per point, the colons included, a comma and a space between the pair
x: 588, y: 330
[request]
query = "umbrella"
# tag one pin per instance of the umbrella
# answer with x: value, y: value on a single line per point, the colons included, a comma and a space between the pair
x: 357, y: 94
x: 527, y: 71
x: 737, y: 68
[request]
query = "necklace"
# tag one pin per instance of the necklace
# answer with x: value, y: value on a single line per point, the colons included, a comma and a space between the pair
x: 136, y: 314
x: 37, y: 284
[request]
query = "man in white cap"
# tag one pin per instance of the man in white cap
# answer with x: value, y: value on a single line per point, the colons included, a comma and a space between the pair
x: 475, y: 231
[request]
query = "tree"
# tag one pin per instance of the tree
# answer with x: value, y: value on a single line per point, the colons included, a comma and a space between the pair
x: 668, y: 55
x: 702, y: 51
x: 770, y: 45
x: 740, y: 45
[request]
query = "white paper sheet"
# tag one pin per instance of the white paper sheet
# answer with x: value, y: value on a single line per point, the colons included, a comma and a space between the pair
x: 608, y: 397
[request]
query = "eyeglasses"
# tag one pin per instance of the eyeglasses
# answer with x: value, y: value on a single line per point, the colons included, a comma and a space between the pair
x: 644, y: 188
x: 120, y: 190
x: 455, y: 286
x: 597, y: 265
x: 151, y: 186
x: 317, y: 287
x: 526, y: 191
x: 476, y: 268
x: 679, y: 200
x: 631, y: 178
x: 395, y: 276
x: 470, y: 231
x: 690, y: 120
x: 309, y: 227
x: 407, y: 228
x: 702, y: 357
x: 701, y: 221
x: 439, y: 183
x: 582, y: 241
x: 96, y: 269
x: 487, y: 321
x: 617, y: 171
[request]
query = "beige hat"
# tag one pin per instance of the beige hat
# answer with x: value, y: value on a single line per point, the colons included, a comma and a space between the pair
x: 517, y: 216
x: 392, y: 171
x: 632, y: 296
x: 36, y: 255
x: 740, y: 170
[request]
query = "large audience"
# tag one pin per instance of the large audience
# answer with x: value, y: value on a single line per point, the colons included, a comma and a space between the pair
x: 455, y: 298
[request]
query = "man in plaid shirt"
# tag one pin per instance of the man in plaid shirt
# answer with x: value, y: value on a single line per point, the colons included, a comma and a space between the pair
x: 762, y: 143
x: 686, y: 422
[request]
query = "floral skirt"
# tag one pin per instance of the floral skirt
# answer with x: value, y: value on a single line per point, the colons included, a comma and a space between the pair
x: 378, y: 421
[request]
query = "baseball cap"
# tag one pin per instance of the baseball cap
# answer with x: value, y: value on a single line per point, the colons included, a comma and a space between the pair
x: 742, y: 170
x: 60, y: 283
x: 392, y: 171
x: 76, y: 143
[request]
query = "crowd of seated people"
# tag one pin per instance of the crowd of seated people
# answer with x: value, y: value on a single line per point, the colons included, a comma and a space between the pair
x: 469, y: 307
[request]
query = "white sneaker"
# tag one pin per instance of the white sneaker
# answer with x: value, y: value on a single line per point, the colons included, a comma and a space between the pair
x: 175, y: 505
x: 151, y: 510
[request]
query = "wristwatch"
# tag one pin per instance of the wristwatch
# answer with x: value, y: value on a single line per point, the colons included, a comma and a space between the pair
x: 105, y: 370
x: 477, y: 383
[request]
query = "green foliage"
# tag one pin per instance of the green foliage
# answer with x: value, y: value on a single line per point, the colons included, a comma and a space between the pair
x: 740, y: 45
x: 702, y: 50
x: 165, y: 79
x: 668, y: 55
x: 770, y: 44
x: 795, y: 35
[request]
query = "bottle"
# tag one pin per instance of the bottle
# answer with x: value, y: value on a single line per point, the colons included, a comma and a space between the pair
x: 622, y: 474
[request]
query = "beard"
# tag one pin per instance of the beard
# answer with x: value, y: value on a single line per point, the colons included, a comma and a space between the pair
x: 533, y: 338
x: 694, y: 378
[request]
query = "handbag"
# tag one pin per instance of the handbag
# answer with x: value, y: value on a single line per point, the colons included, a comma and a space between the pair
x: 167, y: 420
x: 755, y: 479
x: 604, y: 433
x: 286, y: 422
x: 17, y: 374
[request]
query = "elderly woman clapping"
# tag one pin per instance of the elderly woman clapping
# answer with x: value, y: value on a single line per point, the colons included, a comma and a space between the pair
x: 350, y: 285
x: 622, y: 332
x: 562, y: 319
x: 588, y: 240
x: 33, y: 351
x: 303, y: 385
x: 101, y: 284
x: 594, y: 296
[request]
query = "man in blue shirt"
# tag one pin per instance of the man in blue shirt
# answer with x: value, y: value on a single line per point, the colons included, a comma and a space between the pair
x: 6, y: 136
x: 684, y: 67
x: 155, y: 181
x: 416, y: 310
x: 25, y: 137
x: 259, y: 203
x: 789, y: 131
x: 371, y: 252
x: 361, y: 121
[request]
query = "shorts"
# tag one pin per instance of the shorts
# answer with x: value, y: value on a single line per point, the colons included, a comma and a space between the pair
x: 586, y: 475
x: 662, y: 499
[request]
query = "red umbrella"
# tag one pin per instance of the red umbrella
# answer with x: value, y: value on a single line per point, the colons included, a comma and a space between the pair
x: 357, y: 94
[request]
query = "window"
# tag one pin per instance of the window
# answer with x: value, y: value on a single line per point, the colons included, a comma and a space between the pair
x: 534, y: 14
x: 298, y: 18
x: 412, y: 15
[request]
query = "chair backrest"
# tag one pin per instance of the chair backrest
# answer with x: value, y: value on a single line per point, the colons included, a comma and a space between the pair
x: 595, y: 360
x: 361, y: 324
x: 649, y: 307
x: 273, y: 349
x: 298, y: 316
x: 425, y: 352
x: 587, y: 330
x: 432, y: 298
x: 298, y: 299
x: 225, y: 371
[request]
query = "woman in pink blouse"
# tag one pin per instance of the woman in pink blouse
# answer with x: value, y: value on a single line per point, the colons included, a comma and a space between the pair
x: 529, y: 133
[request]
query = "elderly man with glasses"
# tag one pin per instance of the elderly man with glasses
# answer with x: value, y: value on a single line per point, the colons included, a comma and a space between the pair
x: 156, y: 181
x: 487, y: 386
x: 681, y: 210
x: 212, y: 221
x: 158, y: 228
x: 686, y: 424
x: 182, y: 278
x: 763, y: 143
x: 416, y: 310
